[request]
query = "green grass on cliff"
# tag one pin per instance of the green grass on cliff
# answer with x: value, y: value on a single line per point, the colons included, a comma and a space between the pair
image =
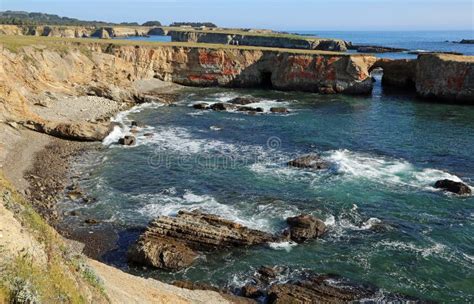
x: 14, y: 43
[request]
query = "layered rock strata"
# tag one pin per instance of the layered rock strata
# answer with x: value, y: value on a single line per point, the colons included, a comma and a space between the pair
x: 173, y: 242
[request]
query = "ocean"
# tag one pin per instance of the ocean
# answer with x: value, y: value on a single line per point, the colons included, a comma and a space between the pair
x: 387, y: 225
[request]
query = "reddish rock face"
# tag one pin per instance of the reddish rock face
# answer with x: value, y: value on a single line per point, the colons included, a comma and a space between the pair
x: 323, y: 72
x: 446, y: 77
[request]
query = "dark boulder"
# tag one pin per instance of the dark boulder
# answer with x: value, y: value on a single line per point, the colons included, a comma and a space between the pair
x: 244, y: 100
x: 452, y: 186
x: 250, y: 109
x: 137, y: 124
x: 220, y: 106
x: 467, y: 41
x: 305, y: 227
x: 201, y: 106
x: 310, y: 161
x: 127, y: 140
x: 279, y: 110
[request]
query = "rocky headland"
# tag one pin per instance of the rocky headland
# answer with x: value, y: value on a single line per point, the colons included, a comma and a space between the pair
x: 272, y: 40
x: 436, y: 77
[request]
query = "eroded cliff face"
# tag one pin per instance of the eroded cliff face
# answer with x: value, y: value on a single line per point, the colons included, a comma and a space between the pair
x: 30, y: 74
x: 446, y: 77
x: 229, y: 67
x: 259, y: 40
x: 440, y: 77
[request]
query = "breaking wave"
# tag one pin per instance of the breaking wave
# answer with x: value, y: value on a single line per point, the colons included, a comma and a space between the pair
x: 260, y: 216
x: 123, y: 125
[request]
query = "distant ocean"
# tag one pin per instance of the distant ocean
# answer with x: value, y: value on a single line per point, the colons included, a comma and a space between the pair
x: 442, y: 41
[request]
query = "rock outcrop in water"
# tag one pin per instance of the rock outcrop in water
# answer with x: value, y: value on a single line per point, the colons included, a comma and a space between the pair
x: 305, y: 227
x: 454, y: 187
x: 440, y: 77
x: 446, y: 77
x: 174, y: 242
x: 310, y: 161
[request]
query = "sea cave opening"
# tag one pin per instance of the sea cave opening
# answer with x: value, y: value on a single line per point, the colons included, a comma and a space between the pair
x: 266, y: 80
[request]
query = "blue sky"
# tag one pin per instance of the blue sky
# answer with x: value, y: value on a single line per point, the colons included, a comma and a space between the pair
x: 276, y: 14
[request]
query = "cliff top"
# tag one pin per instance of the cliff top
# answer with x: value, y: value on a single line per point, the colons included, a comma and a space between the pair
x: 13, y: 43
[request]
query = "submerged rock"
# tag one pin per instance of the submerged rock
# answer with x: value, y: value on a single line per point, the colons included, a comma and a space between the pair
x: 173, y: 242
x: 452, y: 186
x: 305, y: 227
x: 310, y: 161
x: 127, y: 140
x: 279, y: 110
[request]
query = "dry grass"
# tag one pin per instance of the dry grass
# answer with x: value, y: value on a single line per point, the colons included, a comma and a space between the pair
x: 14, y: 43
x: 55, y: 282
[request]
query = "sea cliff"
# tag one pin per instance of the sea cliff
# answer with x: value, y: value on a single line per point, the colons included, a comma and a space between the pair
x: 213, y: 36
x: 275, y: 40
x: 33, y: 65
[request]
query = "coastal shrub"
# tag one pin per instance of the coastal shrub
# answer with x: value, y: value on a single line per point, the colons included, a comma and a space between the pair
x: 152, y: 23
x: 26, y: 18
x: 193, y: 24
x: 22, y: 292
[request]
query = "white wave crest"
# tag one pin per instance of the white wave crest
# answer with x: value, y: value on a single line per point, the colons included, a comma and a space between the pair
x: 167, y: 203
x: 385, y: 170
x: 287, y: 246
x: 435, y: 249
x: 123, y: 126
